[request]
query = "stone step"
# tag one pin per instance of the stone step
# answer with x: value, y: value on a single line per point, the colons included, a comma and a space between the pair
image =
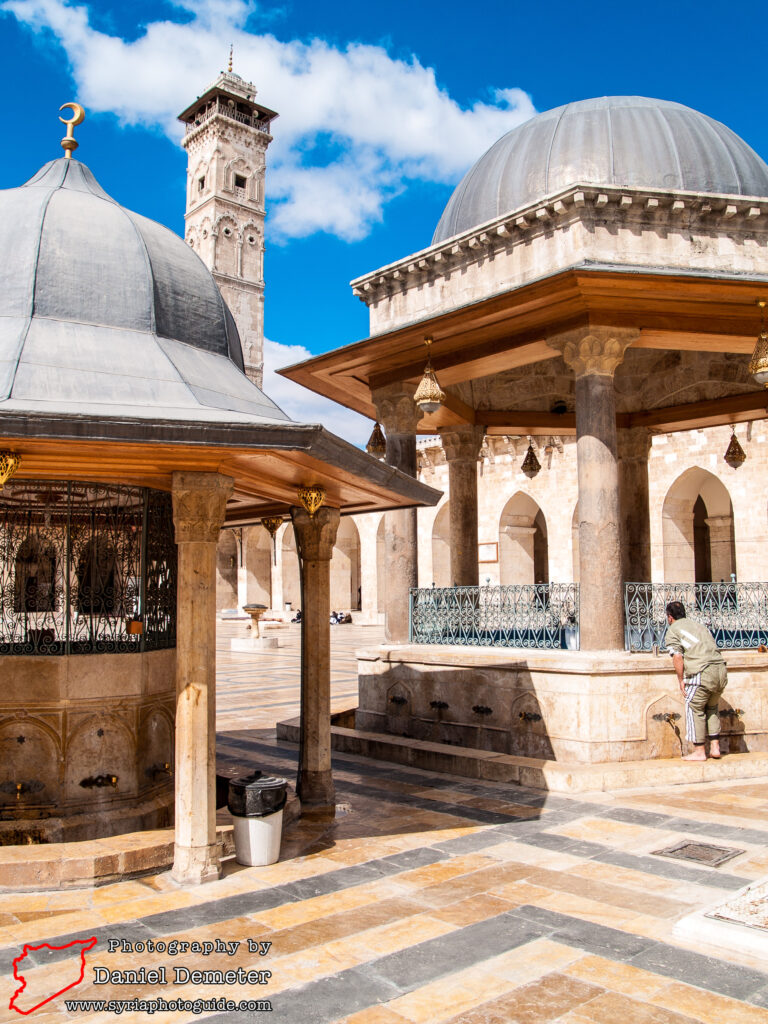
x: 555, y: 776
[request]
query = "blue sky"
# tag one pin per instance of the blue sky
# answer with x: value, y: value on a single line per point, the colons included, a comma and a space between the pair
x: 383, y: 107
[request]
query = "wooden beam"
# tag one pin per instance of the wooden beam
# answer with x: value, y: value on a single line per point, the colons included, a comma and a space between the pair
x: 711, y: 413
x: 696, y: 341
x: 516, y: 421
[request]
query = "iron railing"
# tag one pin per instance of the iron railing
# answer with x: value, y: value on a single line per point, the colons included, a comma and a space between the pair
x: 219, y: 107
x: 735, y: 613
x: 541, y: 616
x: 85, y: 568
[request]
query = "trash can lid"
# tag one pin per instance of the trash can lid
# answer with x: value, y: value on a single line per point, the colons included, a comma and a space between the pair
x: 258, y: 781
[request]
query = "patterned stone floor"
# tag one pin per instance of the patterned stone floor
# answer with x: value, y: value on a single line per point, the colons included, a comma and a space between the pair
x: 428, y: 899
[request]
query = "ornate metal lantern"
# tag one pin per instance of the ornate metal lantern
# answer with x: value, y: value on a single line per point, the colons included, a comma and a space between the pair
x: 758, y: 366
x: 531, y: 464
x: 272, y: 524
x: 377, y: 445
x: 9, y: 463
x: 735, y: 455
x: 429, y: 397
x: 311, y: 498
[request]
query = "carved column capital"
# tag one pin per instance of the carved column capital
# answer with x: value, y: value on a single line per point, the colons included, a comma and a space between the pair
x: 199, y: 503
x: 315, y: 535
x: 594, y: 350
x: 395, y: 408
x: 462, y: 443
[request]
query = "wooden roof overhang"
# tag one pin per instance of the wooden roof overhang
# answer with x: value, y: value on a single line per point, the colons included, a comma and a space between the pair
x: 268, y: 463
x: 678, y: 311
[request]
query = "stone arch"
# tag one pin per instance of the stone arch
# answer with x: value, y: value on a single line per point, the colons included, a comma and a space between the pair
x: 226, y: 570
x: 102, y: 744
x: 381, y: 566
x: 240, y: 168
x: 345, y: 568
x: 155, y: 747
x: 31, y: 757
x: 697, y: 529
x: 258, y: 565
x: 225, y: 230
x: 441, y: 547
x: 291, y: 576
x: 523, y: 542
x: 252, y: 245
x: 195, y: 190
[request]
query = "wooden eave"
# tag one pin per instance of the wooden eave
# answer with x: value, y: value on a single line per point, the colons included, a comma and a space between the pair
x: 673, y: 311
x: 266, y: 479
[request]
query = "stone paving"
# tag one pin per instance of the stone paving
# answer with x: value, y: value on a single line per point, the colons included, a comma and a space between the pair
x: 428, y: 899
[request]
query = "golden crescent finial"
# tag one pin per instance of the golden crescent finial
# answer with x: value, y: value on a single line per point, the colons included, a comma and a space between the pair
x: 68, y: 143
x: 231, y: 49
x: 78, y: 114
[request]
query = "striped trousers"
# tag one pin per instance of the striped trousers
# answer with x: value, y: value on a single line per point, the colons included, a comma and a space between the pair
x: 702, y: 696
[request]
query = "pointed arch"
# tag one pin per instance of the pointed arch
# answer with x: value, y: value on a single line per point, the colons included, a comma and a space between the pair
x: 345, y: 567
x: 523, y: 542
x: 697, y: 529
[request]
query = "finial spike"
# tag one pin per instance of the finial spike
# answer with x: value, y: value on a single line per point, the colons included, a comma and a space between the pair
x: 231, y: 50
x: 69, y: 143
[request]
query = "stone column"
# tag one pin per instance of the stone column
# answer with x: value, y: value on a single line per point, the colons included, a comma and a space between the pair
x: 315, y: 537
x: 462, y: 448
x: 593, y: 354
x: 276, y: 571
x: 634, y: 447
x: 199, y: 501
x: 399, y: 417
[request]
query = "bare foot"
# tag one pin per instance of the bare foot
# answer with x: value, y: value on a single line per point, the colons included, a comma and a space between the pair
x: 697, y: 755
x: 714, y: 750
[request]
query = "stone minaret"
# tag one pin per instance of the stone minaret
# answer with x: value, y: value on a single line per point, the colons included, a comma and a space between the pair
x: 226, y: 139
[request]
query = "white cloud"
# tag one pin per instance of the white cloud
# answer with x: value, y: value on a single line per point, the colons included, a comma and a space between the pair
x: 355, y: 123
x: 304, y: 405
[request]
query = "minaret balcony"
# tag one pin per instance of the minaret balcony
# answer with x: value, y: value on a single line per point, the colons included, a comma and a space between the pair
x: 224, y: 110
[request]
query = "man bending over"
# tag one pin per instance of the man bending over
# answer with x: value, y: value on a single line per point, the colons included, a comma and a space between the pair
x: 702, y: 677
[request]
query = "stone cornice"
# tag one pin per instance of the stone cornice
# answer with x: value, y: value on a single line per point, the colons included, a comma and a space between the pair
x: 651, y: 209
x: 223, y: 123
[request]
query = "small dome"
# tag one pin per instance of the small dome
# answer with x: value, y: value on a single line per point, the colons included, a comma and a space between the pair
x: 101, y: 305
x: 616, y: 140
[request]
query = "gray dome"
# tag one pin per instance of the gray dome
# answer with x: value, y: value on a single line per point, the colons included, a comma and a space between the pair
x: 616, y: 140
x: 100, y: 305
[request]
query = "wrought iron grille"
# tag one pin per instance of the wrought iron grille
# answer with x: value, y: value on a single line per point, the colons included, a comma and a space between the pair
x: 735, y: 613
x: 85, y: 568
x: 543, y: 616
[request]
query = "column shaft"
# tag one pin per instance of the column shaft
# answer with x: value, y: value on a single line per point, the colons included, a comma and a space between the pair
x: 199, y: 501
x: 315, y: 537
x: 634, y: 446
x: 600, y: 589
x: 462, y: 448
x: 399, y: 416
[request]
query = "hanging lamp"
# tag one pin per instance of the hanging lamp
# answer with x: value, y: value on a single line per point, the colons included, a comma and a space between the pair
x: 377, y: 445
x: 531, y: 464
x: 429, y: 397
x: 758, y: 366
x: 735, y: 455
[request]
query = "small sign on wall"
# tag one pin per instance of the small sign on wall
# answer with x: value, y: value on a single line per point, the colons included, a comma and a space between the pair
x: 488, y: 551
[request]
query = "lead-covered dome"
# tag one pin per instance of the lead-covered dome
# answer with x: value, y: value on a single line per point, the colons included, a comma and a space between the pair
x: 626, y: 141
x: 100, y: 306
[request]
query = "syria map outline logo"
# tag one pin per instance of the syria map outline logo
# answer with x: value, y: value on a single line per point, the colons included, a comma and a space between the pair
x: 85, y: 945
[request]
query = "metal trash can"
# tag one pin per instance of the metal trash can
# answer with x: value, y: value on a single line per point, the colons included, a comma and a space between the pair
x: 256, y: 804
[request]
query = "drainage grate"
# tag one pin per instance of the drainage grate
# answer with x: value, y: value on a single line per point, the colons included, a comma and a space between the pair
x: 700, y: 853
